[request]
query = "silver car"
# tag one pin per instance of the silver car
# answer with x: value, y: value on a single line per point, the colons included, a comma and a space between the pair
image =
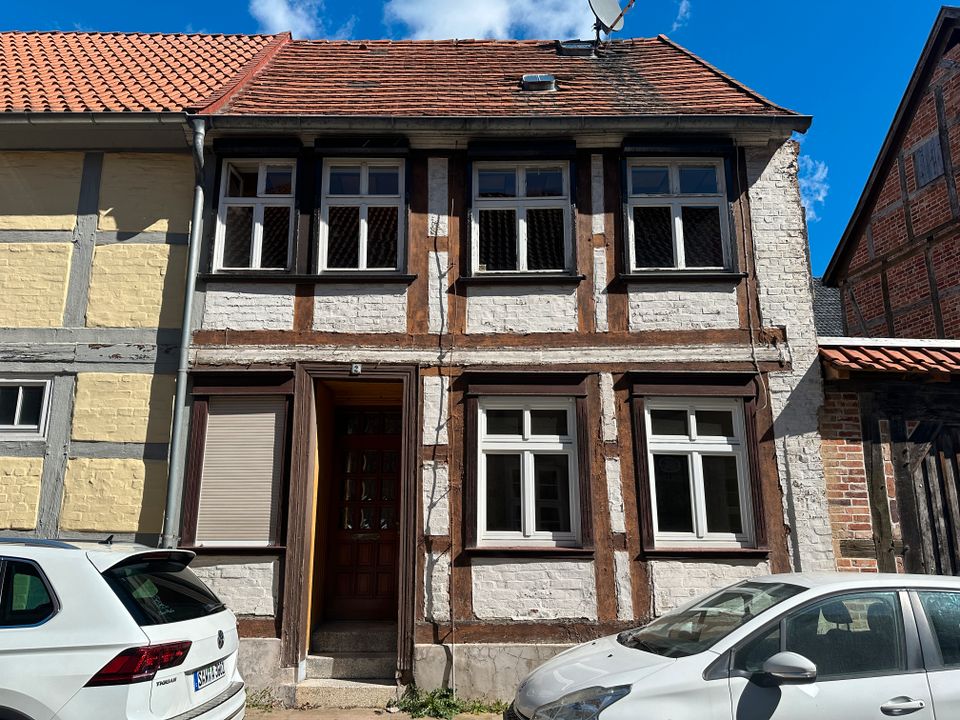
x: 782, y: 647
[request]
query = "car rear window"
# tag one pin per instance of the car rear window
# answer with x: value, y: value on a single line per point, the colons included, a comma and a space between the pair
x: 160, y: 591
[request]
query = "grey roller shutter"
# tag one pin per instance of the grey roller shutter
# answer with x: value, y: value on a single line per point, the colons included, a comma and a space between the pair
x: 241, y: 470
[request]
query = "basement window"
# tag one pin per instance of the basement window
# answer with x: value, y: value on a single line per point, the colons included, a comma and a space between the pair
x: 677, y: 215
x: 23, y: 409
x: 521, y: 217
x: 361, y: 222
x: 256, y: 215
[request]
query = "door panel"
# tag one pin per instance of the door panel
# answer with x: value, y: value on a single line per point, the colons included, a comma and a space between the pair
x: 938, y: 614
x: 363, y: 543
x: 858, y: 643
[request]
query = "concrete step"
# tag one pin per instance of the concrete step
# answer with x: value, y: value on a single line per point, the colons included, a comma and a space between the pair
x: 351, y: 665
x: 373, y: 693
x: 354, y: 637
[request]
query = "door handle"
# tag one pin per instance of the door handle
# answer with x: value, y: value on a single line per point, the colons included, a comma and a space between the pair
x: 902, y: 706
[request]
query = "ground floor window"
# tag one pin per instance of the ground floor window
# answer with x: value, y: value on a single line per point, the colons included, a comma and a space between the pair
x: 696, y: 458
x: 527, y: 468
x: 526, y: 461
x: 697, y: 461
x: 234, y: 491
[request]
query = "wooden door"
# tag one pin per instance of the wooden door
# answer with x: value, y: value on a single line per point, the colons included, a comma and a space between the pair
x: 363, y: 551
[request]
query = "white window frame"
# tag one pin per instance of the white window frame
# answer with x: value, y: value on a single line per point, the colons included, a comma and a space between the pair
x: 258, y: 204
x: 26, y: 432
x: 694, y: 448
x: 527, y: 446
x: 676, y: 201
x: 521, y: 204
x: 364, y: 201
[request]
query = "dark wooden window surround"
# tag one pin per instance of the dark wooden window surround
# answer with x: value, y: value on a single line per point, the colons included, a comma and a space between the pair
x: 307, y: 199
x: 572, y: 385
x: 744, y: 386
x: 205, y: 385
x: 653, y: 147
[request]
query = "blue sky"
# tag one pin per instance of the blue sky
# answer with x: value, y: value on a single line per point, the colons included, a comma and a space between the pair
x: 846, y: 63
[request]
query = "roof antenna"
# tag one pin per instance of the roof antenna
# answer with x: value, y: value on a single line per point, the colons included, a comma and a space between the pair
x: 609, y: 15
x: 107, y: 541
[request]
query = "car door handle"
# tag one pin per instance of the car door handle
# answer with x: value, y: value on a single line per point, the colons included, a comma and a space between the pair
x: 901, y: 706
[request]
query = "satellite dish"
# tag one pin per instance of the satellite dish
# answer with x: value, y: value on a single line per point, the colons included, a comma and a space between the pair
x: 609, y: 15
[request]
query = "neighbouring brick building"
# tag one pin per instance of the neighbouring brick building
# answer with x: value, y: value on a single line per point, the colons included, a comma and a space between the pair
x: 497, y: 346
x: 890, y: 417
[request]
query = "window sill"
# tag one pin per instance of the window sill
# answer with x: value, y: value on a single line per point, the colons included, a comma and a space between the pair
x: 732, y: 553
x: 680, y: 276
x: 234, y: 549
x: 521, y: 279
x: 522, y: 551
x: 363, y: 278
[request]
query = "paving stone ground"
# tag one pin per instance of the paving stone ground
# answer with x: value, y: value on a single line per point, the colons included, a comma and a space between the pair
x: 354, y: 714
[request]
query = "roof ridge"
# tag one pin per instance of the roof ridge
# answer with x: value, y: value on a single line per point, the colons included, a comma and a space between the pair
x: 257, y: 63
x: 713, y: 68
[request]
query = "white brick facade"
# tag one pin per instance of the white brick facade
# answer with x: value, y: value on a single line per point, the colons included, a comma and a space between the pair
x: 676, y: 582
x: 436, y: 587
x: 534, y: 589
x: 600, y: 289
x: 360, y: 308
x: 608, y: 408
x: 436, y: 411
x: 248, y: 307
x: 615, y: 495
x: 436, y: 498
x: 668, y: 306
x: 786, y: 298
x: 437, y: 200
x: 621, y: 565
x: 596, y: 194
x: 521, y: 309
x: 437, y: 287
x: 247, y: 588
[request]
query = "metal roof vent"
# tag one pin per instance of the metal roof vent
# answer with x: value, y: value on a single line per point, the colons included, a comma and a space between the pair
x: 539, y: 83
x: 575, y: 48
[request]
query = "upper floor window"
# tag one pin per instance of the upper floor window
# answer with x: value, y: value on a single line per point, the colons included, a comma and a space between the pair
x: 697, y: 461
x: 361, y: 221
x: 528, y: 490
x: 23, y: 408
x: 677, y: 215
x: 255, y: 220
x: 521, y: 217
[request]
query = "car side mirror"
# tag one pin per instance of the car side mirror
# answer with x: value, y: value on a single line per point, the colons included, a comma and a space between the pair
x: 790, y: 667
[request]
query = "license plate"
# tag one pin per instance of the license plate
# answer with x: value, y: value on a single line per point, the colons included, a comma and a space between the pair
x: 208, y: 675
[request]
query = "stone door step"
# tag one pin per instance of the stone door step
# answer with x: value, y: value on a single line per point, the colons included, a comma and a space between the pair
x: 354, y: 637
x: 329, y: 693
x: 351, y: 665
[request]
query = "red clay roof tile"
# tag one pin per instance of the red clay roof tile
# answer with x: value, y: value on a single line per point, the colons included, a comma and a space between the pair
x: 873, y: 358
x: 121, y: 72
x: 457, y: 78
x: 271, y: 75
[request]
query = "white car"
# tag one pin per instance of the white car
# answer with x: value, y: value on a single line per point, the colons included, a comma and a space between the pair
x: 782, y: 647
x: 112, y: 632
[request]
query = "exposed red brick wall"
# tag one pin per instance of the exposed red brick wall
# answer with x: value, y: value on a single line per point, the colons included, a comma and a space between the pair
x: 846, y: 481
x: 912, y: 221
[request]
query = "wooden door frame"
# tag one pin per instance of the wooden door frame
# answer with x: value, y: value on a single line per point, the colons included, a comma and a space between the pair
x: 294, y: 636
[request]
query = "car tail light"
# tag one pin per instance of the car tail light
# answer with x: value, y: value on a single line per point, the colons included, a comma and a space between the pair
x: 140, y: 664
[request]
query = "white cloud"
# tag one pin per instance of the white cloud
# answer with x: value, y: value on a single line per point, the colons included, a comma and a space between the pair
x: 813, y: 185
x: 300, y: 17
x: 683, y: 15
x: 443, y: 19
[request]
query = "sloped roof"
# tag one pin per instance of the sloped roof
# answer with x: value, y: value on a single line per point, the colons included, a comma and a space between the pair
x: 895, y: 357
x: 56, y: 72
x: 827, y: 309
x: 943, y: 32
x: 460, y: 78
x: 123, y: 72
